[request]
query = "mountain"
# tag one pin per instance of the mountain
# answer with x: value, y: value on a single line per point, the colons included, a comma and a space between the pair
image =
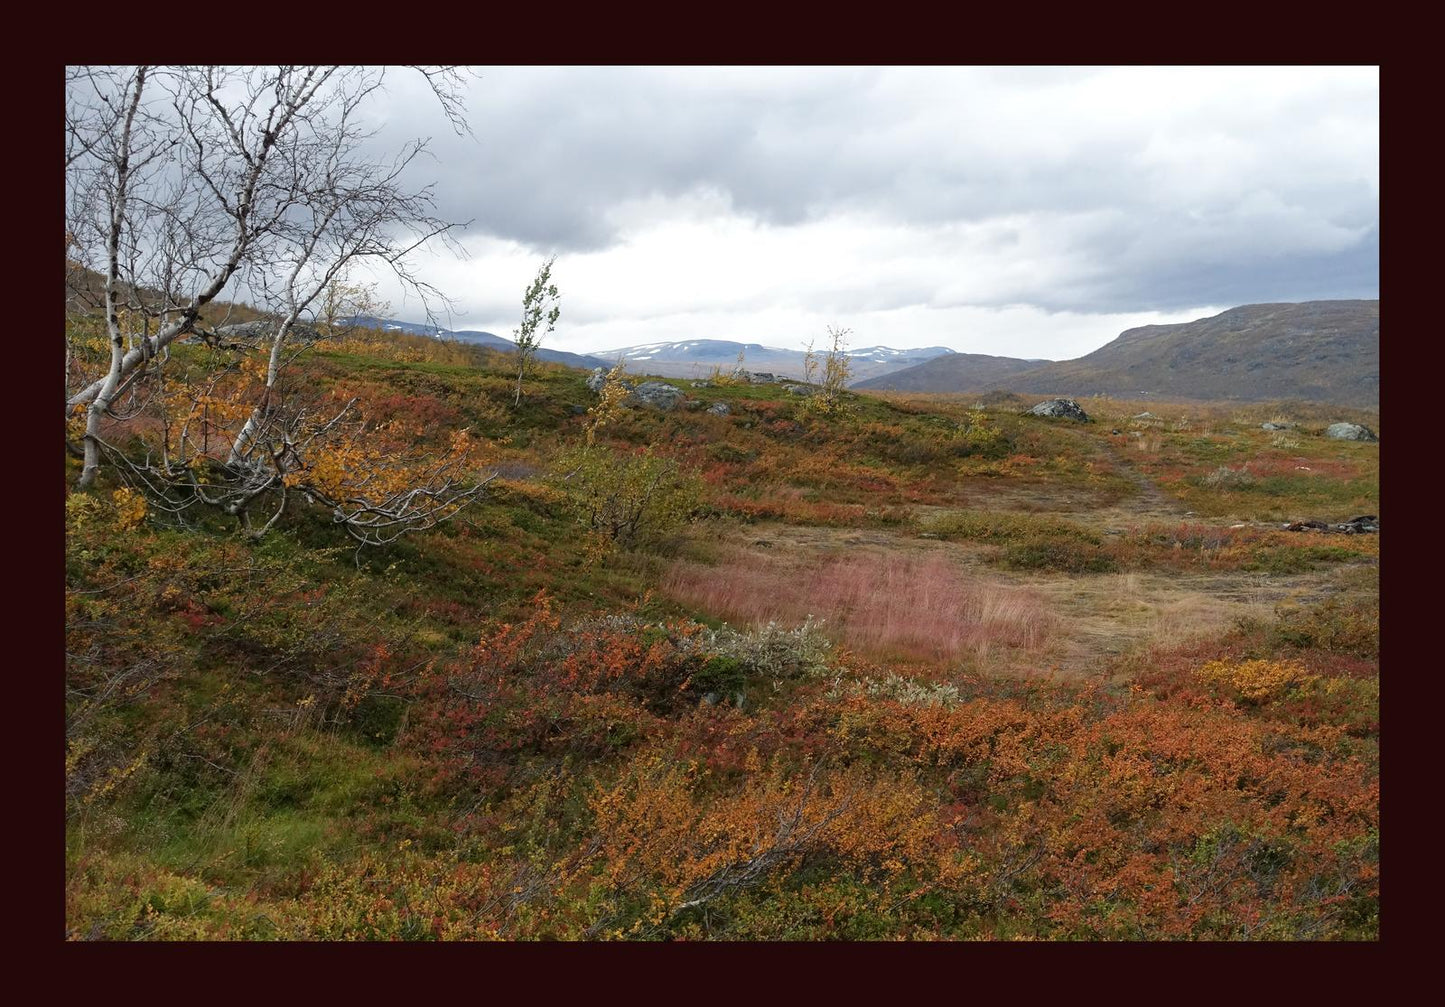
x: 955, y: 372
x: 476, y: 336
x: 696, y: 358
x: 1324, y: 351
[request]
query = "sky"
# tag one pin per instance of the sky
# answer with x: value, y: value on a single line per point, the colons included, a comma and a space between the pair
x: 1027, y: 212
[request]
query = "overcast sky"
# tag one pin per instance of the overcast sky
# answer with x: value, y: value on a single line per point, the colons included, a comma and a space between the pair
x: 1026, y: 212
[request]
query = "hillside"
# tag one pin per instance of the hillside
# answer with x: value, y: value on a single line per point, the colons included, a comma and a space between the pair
x: 957, y: 371
x: 887, y: 671
x: 697, y: 358
x: 1319, y: 351
x: 477, y: 337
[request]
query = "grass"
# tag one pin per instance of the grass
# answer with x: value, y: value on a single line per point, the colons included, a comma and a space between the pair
x: 888, y: 605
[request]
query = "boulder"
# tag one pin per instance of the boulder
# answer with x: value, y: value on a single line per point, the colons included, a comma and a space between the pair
x: 655, y: 395
x: 262, y: 329
x: 1350, y: 432
x: 719, y: 409
x: 762, y: 378
x: 598, y: 378
x: 1364, y: 525
x: 801, y: 389
x: 1276, y: 426
x: 1064, y: 408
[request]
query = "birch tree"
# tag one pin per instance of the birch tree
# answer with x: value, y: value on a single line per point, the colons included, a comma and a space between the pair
x: 539, y: 304
x: 187, y: 182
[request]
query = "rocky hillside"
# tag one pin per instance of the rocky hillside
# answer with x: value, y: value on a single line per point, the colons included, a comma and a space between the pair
x: 1324, y: 351
x: 957, y: 371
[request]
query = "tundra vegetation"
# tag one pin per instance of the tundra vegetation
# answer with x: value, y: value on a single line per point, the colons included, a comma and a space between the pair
x: 917, y: 668
x: 374, y: 636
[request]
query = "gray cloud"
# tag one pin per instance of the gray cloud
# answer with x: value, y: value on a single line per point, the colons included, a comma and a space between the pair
x: 1153, y: 190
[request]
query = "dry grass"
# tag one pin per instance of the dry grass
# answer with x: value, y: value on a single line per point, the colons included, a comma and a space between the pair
x: 898, y: 605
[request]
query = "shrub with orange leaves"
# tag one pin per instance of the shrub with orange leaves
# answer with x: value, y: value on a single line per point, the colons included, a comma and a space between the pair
x: 1256, y: 681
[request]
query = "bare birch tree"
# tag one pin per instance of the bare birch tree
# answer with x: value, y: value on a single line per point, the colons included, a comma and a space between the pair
x: 184, y: 182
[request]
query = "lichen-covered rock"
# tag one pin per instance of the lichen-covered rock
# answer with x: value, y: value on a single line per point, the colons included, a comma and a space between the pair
x: 1063, y: 408
x: 1276, y: 426
x: 1365, y: 524
x: 262, y: 329
x: 598, y: 378
x: 801, y: 389
x: 720, y: 409
x: 655, y: 395
x: 1350, y: 432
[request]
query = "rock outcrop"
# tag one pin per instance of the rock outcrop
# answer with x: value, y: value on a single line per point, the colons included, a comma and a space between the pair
x: 1350, y: 432
x: 655, y: 395
x: 1062, y: 408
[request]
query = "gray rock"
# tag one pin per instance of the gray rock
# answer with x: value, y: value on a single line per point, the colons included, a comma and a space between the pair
x: 761, y: 378
x: 655, y: 395
x: 1064, y: 408
x: 1276, y: 426
x: 1350, y: 432
x: 720, y: 409
x: 598, y: 378
x: 801, y: 389
x: 263, y: 329
x: 1145, y: 416
x: 1364, y: 525
x: 702, y: 383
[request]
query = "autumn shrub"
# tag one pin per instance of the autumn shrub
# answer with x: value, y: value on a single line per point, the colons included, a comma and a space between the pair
x: 670, y: 844
x: 1332, y: 626
x: 1256, y: 681
x: 1005, y: 527
x: 1058, y: 554
x: 627, y: 497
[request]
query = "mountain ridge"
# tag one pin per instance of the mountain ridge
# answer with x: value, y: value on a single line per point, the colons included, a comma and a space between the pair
x: 1324, y: 351
x: 475, y: 336
x: 695, y: 358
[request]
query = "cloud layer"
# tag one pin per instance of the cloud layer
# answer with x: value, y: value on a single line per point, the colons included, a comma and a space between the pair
x: 989, y: 210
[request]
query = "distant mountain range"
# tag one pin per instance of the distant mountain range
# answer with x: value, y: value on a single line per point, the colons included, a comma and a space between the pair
x: 696, y: 358
x: 693, y: 358
x: 1324, y: 351
x: 476, y: 336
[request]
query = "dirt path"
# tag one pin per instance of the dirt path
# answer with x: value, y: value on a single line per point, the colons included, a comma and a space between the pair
x: 1151, y: 502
